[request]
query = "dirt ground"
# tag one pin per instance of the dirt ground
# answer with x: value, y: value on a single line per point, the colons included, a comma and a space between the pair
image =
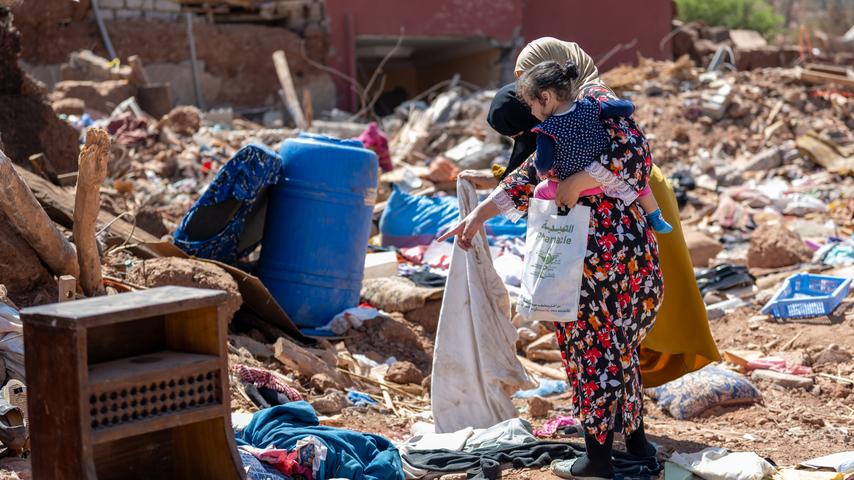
x: 789, y: 426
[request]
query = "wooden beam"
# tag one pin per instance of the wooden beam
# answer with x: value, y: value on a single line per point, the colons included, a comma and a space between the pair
x: 94, y: 157
x: 59, y: 205
x: 24, y: 213
x: 280, y: 61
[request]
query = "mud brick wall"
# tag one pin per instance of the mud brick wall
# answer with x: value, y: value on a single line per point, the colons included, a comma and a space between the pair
x: 158, y: 10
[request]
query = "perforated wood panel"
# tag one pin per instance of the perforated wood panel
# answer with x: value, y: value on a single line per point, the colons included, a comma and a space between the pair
x: 109, y: 408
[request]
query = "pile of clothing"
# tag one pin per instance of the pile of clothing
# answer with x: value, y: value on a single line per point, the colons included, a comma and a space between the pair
x: 287, y: 441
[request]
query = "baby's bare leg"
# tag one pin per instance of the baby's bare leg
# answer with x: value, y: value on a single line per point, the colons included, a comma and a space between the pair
x: 653, y: 214
x: 648, y: 203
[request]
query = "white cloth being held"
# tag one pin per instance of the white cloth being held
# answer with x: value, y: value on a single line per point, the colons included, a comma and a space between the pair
x: 475, y: 369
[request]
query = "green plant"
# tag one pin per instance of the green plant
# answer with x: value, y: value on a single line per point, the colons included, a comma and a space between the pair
x: 750, y: 14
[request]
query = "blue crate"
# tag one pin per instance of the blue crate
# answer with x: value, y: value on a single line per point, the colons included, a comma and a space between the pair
x: 805, y: 295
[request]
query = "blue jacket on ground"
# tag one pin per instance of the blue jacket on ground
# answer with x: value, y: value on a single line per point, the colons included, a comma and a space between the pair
x: 352, y: 455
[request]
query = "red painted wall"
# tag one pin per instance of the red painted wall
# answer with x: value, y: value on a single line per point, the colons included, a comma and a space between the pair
x: 613, y: 22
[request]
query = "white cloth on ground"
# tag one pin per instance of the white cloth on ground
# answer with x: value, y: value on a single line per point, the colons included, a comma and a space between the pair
x: 842, y: 462
x: 513, y: 432
x: 719, y: 464
x: 475, y: 369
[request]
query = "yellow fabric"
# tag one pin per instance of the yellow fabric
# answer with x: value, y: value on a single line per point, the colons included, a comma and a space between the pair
x: 551, y: 49
x: 680, y: 342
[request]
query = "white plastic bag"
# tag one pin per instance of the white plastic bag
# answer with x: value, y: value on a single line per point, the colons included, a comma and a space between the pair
x: 555, y: 247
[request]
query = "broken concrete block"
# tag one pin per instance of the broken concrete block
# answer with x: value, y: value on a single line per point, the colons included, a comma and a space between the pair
x: 404, y: 373
x: 261, y: 351
x: 69, y: 106
x: 321, y: 382
x: 702, y: 247
x: 714, y: 104
x: 539, y: 407
x: 747, y: 39
x: 772, y: 245
x: 100, y: 96
x: 330, y: 404
x: 782, y: 379
x: 764, y: 160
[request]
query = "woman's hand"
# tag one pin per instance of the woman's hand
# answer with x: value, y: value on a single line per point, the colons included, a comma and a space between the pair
x: 468, y: 227
x: 570, y: 189
x: 481, y: 179
x: 567, y: 193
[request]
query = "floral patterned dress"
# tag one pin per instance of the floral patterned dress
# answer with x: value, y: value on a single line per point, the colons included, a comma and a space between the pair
x: 622, y: 284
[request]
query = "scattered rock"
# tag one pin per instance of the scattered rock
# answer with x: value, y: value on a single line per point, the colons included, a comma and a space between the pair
x: 397, y: 331
x: 151, y: 221
x: 764, y: 160
x: 539, y: 407
x: 832, y: 355
x: 701, y: 247
x: 715, y: 313
x: 330, y: 404
x: 183, y: 120
x: 187, y: 272
x: 404, y: 373
x: 261, y: 351
x: 712, y: 298
x: 773, y: 245
x: 321, y: 382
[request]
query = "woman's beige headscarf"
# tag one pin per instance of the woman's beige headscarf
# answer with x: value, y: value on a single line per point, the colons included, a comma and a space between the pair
x: 550, y: 48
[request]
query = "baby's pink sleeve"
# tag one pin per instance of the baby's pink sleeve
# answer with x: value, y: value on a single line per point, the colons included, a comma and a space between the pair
x: 546, y: 190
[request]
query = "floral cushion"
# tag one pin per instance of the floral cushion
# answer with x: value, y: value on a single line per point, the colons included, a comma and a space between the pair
x: 698, y: 391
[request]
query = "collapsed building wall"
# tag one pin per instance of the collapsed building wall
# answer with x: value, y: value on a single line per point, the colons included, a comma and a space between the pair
x: 236, y: 58
x: 28, y: 125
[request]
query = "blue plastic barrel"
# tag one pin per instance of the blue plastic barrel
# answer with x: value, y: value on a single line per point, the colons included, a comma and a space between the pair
x: 317, y: 227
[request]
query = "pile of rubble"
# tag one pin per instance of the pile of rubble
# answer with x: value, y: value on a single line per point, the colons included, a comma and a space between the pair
x: 748, y: 49
x: 761, y: 162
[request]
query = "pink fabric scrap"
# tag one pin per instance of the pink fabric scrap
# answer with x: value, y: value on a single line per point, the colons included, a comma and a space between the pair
x: 266, y: 378
x: 553, y: 424
x: 776, y: 364
x: 127, y: 129
x: 414, y: 254
x: 374, y: 139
